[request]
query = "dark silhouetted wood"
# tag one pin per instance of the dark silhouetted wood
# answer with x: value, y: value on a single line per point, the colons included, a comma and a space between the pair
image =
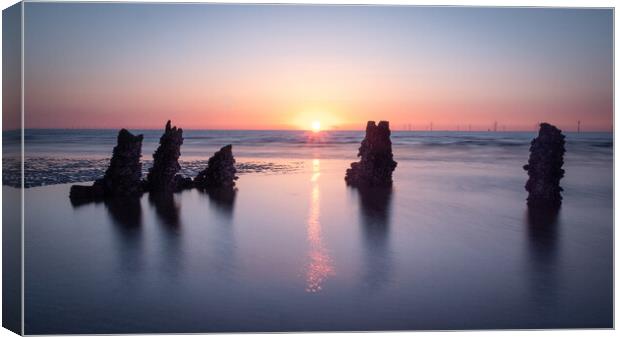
x: 123, y: 176
x: 220, y: 171
x: 544, y: 167
x: 162, y: 177
x: 376, y: 160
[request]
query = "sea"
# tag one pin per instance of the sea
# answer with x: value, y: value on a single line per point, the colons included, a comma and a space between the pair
x: 452, y: 245
x: 67, y: 156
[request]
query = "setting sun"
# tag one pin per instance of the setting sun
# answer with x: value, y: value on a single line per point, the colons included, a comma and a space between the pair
x: 316, y: 126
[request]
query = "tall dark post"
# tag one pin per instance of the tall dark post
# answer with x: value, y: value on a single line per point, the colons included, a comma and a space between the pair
x: 220, y: 171
x: 162, y: 177
x: 376, y: 164
x: 122, y: 178
x: 544, y: 168
x: 124, y: 173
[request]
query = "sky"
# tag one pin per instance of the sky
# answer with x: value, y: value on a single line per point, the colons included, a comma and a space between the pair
x: 11, y: 67
x: 216, y: 66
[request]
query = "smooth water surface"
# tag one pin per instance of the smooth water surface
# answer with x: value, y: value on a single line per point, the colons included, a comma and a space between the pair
x: 451, y: 246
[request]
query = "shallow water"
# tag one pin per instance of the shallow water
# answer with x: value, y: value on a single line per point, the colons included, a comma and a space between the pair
x: 452, y: 246
x: 66, y: 156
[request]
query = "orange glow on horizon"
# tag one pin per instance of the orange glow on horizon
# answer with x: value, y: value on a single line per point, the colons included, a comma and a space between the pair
x: 409, y: 69
x: 316, y: 126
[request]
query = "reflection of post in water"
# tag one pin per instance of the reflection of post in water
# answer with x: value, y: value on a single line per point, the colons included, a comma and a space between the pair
x: 542, y: 252
x: 375, y: 217
x: 168, y: 233
x: 223, y: 199
x: 125, y: 211
x: 542, y: 228
x: 126, y: 214
x: 320, y: 265
x: 221, y: 203
x: 166, y: 208
x: 375, y: 206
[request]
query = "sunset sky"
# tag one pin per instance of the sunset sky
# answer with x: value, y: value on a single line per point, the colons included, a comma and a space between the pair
x: 284, y: 67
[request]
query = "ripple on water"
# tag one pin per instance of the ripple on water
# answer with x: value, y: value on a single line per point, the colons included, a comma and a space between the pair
x: 40, y: 171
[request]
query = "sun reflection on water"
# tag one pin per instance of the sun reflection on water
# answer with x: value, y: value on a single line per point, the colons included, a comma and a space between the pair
x: 320, y: 265
x: 316, y: 172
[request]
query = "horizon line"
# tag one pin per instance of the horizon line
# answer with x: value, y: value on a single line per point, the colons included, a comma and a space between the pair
x: 304, y: 130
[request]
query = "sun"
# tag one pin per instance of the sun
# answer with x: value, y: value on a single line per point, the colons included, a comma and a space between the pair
x: 316, y: 126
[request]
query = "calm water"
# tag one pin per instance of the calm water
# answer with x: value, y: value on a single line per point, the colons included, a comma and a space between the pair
x: 66, y: 156
x: 452, y: 246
